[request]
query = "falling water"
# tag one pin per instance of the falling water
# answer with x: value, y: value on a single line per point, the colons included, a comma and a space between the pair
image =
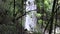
x: 31, y: 19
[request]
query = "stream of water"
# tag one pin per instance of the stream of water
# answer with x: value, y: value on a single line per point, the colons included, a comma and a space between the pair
x: 31, y: 19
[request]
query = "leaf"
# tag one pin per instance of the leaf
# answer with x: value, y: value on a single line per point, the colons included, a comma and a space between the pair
x: 38, y: 15
x: 40, y: 21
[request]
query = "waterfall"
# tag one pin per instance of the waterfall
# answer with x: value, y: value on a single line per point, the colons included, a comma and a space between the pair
x: 30, y: 20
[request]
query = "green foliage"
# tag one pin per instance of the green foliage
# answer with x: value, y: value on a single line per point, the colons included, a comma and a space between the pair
x: 36, y: 33
x: 8, y: 5
x: 40, y: 21
x: 38, y: 15
x: 7, y: 26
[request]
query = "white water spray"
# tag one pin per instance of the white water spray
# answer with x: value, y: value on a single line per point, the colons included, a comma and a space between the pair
x: 31, y: 19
